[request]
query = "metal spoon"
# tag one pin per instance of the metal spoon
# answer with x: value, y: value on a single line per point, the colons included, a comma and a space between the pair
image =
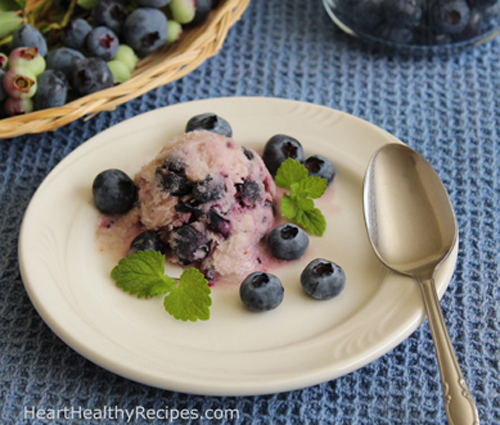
x: 412, y: 228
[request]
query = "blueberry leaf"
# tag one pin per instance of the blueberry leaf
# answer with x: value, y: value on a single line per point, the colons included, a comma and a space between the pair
x: 87, y: 4
x: 142, y: 274
x: 290, y: 172
x: 311, y: 220
x: 190, y: 299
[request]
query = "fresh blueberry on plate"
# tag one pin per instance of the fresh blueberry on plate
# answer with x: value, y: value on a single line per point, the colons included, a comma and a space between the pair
x: 114, y: 192
x: 261, y: 291
x: 323, y: 279
x: 148, y: 240
x: 320, y: 166
x: 278, y: 149
x: 210, y: 122
x: 188, y: 244
x: 288, y: 242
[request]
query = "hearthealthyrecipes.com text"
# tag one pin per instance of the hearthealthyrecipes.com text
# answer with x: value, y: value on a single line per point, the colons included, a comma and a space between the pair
x: 129, y: 415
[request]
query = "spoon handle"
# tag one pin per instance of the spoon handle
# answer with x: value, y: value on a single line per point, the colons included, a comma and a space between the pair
x: 459, y: 404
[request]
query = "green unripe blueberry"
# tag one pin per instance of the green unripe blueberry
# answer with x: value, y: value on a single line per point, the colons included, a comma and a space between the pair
x: 183, y: 11
x: 120, y: 71
x: 125, y: 54
x: 20, y: 83
x: 174, y: 31
x: 29, y: 58
x: 4, y: 61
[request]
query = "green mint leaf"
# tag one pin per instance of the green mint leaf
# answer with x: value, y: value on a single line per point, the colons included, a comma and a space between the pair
x: 310, y: 187
x: 313, y: 187
x: 290, y: 172
x: 304, y: 204
x: 288, y: 207
x: 311, y: 220
x: 190, y: 299
x: 143, y: 274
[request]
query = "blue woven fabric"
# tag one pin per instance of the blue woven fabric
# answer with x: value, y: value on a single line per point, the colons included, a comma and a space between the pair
x: 447, y: 107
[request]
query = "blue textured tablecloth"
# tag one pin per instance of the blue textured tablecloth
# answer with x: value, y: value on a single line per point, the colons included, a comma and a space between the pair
x: 447, y: 107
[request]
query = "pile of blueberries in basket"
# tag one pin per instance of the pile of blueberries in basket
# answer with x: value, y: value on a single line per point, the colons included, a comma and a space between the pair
x: 97, y: 49
x: 419, y: 22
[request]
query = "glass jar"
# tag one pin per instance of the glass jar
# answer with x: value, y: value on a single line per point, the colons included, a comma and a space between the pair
x: 418, y: 22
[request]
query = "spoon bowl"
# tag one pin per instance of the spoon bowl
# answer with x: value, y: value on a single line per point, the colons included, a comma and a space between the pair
x: 412, y: 228
x: 408, y: 213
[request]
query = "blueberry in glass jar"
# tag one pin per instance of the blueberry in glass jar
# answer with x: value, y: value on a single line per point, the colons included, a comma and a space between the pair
x: 418, y: 22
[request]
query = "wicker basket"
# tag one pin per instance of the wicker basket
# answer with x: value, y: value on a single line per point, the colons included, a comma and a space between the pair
x: 160, y: 68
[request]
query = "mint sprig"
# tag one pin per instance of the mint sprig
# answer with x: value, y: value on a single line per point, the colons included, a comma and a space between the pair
x: 143, y: 274
x: 299, y: 205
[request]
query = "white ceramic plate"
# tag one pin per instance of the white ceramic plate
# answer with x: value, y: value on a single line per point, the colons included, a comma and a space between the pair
x: 301, y: 343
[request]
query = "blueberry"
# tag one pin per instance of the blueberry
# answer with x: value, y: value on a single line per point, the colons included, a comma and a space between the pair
x: 28, y: 36
x: 209, y: 190
x: 322, y: 279
x: 248, y: 192
x: 210, y: 122
x: 4, y: 61
x: 492, y: 11
x: 482, y: 4
x: 102, y: 43
x: 20, y: 83
x: 18, y: 106
x: 52, y: 90
x: 203, y: 8
x: 261, y: 291
x: 402, y: 13
x: 248, y: 153
x: 278, y: 149
x: 174, y: 31
x: 366, y: 14
x: 449, y: 16
x: 320, y: 166
x: 218, y: 224
x: 173, y: 177
x: 114, y: 192
x: 111, y: 14
x: 473, y: 27
x: 394, y: 34
x: 197, y: 214
x: 188, y: 244
x: 75, y: 33
x: 120, y: 71
x: 125, y: 54
x: 183, y: 11
x: 153, y: 3
x: 3, y: 93
x: 145, y: 30
x: 64, y: 59
x: 288, y: 242
x: 146, y: 241
x: 91, y: 75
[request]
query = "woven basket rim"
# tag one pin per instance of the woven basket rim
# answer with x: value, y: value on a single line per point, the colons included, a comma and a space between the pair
x: 160, y: 68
